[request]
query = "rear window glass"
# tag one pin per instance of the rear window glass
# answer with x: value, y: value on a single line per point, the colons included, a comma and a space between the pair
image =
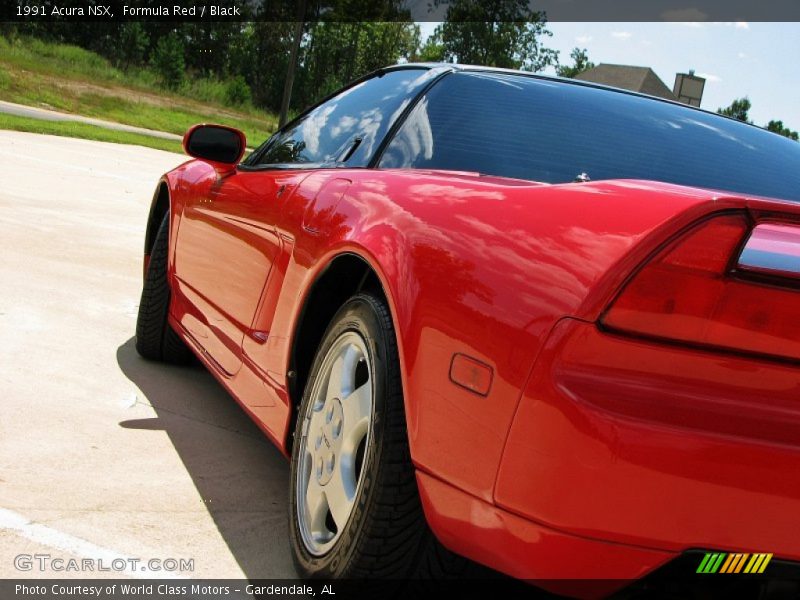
x: 529, y: 128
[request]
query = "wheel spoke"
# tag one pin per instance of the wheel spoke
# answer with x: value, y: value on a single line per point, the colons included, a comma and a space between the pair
x: 334, y: 386
x: 315, y: 421
x: 340, y: 495
x: 351, y: 355
x: 316, y: 506
x: 357, y: 410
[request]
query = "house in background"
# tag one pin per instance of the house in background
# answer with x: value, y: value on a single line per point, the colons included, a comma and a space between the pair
x: 688, y: 87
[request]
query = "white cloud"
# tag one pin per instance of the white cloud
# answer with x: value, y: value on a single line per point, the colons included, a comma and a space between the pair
x: 736, y: 24
x: 742, y: 55
x: 621, y: 35
x: 710, y: 77
x: 583, y: 39
x: 692, y: 15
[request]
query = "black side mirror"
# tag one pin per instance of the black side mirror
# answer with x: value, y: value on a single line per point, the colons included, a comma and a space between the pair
x: 215, y: 143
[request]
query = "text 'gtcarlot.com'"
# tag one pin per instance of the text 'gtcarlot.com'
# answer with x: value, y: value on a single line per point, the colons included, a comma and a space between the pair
x: 47, y: 562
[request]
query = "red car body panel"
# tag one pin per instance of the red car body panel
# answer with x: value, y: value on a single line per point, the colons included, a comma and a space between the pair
x: 560, y: 562
x: 587, y: 444
x: 647, y: 430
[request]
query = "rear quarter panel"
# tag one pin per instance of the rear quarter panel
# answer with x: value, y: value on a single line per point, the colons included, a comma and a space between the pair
x: 479, y: 266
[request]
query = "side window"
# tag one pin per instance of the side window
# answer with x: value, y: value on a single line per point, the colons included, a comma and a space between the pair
x: 348, y: 127
x: 471, y: 122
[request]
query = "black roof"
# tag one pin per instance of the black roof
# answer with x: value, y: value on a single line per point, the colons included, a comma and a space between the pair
x: 592, y: 84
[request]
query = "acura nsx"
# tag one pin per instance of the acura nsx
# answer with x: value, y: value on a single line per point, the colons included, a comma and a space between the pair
x: 546, y: 325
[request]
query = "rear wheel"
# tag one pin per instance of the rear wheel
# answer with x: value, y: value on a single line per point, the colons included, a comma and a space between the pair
x: 354, y: 508
x: 155, y: 338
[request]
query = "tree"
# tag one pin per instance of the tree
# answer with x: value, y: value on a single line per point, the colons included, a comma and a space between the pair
x: 431, y: 51
x: 335, y: 53
x: 778, y: 127
x: 496, y: 33
x: 168, y: 60
x: 581, y: 63
x: 206, y: 46
x: 261, y: 54
x: 133, y: 43
x: 738, y: 109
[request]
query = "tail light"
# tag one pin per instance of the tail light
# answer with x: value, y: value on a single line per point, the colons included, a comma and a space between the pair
x: 723, y: 284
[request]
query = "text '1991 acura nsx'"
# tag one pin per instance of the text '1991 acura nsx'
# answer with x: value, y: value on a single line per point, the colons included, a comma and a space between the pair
x: 546, y: 325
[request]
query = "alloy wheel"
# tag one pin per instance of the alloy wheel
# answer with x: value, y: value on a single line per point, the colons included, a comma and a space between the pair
x: 336, y: 428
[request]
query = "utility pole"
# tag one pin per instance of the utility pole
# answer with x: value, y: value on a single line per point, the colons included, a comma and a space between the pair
x: 287, y: 85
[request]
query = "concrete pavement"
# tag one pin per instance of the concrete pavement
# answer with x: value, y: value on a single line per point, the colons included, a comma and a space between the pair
x: 32, y: 112
x: 102, y: 453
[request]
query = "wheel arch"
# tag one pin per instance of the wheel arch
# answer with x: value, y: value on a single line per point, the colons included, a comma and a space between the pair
x: 159, y: 207
x: 344, y: 275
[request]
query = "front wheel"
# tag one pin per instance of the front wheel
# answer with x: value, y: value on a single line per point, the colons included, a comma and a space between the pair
x: 155, y: 338
x: 354, y: 508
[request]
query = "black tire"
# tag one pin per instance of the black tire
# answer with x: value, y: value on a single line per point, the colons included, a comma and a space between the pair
x: 386, y: 536
x: 155, y: 338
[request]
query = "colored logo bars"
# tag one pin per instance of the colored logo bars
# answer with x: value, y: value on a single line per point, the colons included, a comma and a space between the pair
x: 722, y: 562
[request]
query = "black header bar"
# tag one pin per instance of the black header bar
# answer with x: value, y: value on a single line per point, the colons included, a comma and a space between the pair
x: 28, y: 11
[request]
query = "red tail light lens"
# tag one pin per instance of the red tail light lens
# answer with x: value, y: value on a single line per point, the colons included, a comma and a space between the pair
x: 698, y: 290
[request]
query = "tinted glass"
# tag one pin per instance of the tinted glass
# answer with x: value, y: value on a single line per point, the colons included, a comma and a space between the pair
x: 349, y: 126
x: 527, y: 128
x: 215, y: 143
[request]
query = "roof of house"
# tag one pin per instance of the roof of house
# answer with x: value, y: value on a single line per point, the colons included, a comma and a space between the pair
x: 637, y: 79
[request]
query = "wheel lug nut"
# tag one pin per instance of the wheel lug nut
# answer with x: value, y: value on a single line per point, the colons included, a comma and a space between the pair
x: 318, y: 442
x: 337, y: 428
x: 331, y: 462
x: 319, y: 467
x: 329, y: 415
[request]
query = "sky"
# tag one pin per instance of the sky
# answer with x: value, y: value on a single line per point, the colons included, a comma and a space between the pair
x: 757, y: 60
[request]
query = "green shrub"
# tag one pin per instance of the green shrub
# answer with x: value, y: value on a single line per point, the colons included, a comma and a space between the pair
x: 208, y: 89
x: 237, y: 92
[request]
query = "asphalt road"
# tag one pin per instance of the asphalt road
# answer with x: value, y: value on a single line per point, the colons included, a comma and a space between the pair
x: 103, y: 454
x: 32, y: 112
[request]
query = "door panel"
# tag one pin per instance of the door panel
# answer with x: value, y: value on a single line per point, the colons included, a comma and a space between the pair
x: 311, y: 211
x: 227, y: 244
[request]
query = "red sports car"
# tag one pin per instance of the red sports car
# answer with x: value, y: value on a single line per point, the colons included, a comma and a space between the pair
x: 546, y: 325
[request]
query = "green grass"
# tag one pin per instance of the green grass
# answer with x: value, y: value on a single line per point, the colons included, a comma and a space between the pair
x: 71, y: 79
x: 85, y: 131
x: 5, y: 79
x: 36, y: 55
